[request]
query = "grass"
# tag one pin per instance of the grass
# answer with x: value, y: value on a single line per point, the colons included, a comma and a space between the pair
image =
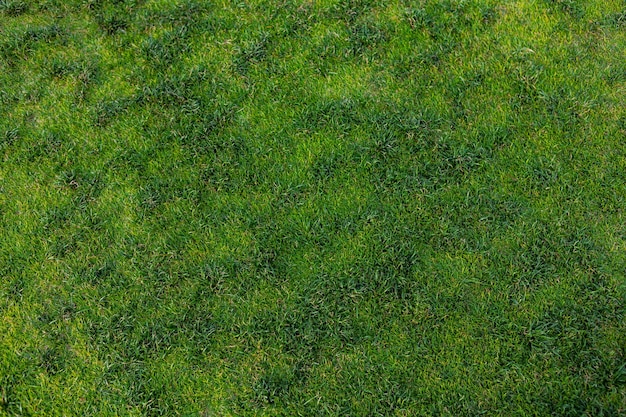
x: 322, y: 207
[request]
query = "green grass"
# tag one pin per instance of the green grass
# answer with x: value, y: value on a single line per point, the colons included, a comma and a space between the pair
x: 320, y: 207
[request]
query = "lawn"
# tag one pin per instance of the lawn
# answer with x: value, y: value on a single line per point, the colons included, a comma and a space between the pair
x: 312, y: 208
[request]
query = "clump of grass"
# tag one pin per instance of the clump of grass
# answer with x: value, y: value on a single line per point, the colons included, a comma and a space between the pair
x: 9, y: 138
x: 13, y: 8
x: 251, y: 53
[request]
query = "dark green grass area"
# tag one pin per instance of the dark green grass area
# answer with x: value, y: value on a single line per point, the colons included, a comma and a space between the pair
x: 322, y: 207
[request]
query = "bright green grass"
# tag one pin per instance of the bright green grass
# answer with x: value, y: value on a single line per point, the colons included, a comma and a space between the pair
x: 320, y: 207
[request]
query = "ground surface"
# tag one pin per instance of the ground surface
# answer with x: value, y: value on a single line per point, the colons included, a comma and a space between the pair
x: 312, y: 207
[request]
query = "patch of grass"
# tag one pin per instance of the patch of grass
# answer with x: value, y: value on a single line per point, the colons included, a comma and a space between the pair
x: 19, y: 44
x: 13, y: 8
x: 312, y: 208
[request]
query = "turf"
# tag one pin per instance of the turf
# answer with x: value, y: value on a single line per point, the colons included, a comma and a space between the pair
x: 322, y: 207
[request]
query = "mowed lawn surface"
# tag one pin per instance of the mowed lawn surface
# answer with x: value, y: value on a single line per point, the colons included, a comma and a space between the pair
x: 322, y: 207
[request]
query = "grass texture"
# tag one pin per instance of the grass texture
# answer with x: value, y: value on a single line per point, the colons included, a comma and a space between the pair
x: 312, y: 208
